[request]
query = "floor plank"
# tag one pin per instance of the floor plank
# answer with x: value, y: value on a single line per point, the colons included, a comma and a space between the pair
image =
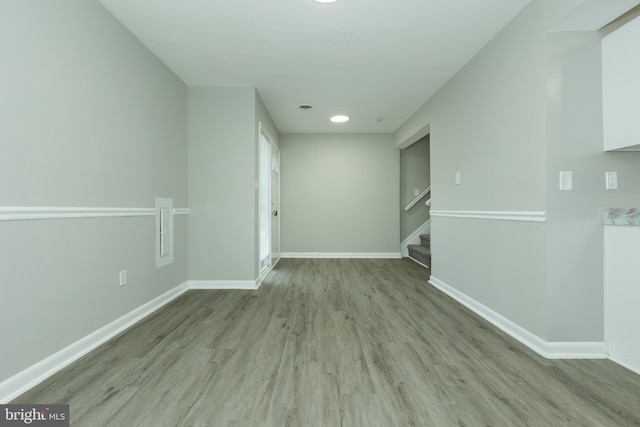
x: 333, y: 343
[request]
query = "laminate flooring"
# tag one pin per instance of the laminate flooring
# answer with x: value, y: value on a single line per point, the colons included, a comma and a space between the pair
x: 339, y: 342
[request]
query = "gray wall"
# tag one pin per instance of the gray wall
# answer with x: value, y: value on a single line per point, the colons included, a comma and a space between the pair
x: 575, y: 238
x: 414, y: 175
x: 340, y: 193
x: 527, y: 106
x: 489, y: 123
x: 89, y: 119
x: 222, y: 174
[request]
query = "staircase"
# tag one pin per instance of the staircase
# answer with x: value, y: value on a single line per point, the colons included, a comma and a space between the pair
x: 421, y: 253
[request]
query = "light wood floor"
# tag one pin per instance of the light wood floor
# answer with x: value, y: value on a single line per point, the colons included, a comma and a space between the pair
x: 333, y: 343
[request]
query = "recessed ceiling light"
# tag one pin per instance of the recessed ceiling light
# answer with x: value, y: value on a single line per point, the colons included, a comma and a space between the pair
x: 325, y: 1
x: 339, y: 119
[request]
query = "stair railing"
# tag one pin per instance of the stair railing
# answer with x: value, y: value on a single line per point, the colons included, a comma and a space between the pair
x: 418, y: 198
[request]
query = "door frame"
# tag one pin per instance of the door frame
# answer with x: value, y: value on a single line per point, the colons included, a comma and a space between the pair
x: 275, y: 163
x: 262, y: 272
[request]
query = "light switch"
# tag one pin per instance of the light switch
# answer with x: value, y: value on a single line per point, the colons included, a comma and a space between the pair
x: 566, y: 180
x: 457, y: 178
x: 416, y: 192
x: 611, y: 179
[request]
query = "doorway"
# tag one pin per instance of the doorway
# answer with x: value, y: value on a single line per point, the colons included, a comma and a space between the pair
x: 275, y: 204
x: 268, y: 201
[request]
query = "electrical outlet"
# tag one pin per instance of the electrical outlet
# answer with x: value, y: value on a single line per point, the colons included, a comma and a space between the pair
x: 611, y: 179
x: 123, y: 277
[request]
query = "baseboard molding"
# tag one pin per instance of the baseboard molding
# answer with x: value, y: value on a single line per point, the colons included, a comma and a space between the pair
x: 414, y: 238
x: 384, y: 255
x: 418, y: 262
x: 576, y: 350
x: 224, y: 284
x: 35, y: 374
x: 625, y: 365
x: 549, y: 350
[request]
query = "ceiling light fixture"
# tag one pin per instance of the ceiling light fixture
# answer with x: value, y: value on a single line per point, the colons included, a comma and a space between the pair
x: 325, y: 1
x: 305, y: 107
x: 339, y: 118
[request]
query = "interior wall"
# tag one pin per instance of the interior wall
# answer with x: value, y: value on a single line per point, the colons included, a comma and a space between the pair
x: 340, y: 193
x: 575, y: 236
x: 489, y: 123
x: 90, y: 118
x: 414, y: 175
x: 222, y: 177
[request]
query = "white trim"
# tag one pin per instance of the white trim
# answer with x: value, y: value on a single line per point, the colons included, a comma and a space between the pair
x: 414, y: 238
x: 417, y: 199
x: 533, y: 216
x: 265, y: 273
x: 35, y: 374
x: 24, y: 213
x: 625, y: 365
x: 264, y: 131
x: 532, y: 341
x: 14, y: 213
x: 164, y: 231
x: 549, y: 350
x: 576, y: 350
x: 386, y: 255
x: 224, y: 284
x: 418, y: 262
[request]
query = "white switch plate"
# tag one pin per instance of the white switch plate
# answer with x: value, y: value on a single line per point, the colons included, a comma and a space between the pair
x: 416, y: 192
x: 123, y: 277
x: 457, y: 178
x: 566, y: 180
x: 611, y: 180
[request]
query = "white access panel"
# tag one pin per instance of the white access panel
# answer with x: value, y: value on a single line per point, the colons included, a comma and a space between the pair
x: 622, y: 294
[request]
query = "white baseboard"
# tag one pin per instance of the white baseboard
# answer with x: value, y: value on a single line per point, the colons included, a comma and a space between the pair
x: 414, y: 238
x: 625, y: 365
x: 385, y: 255
x: 418, y: 262
x: 549, y: 350
x: 576, y: 350
x: 224, y: 284
x: 35, y: 374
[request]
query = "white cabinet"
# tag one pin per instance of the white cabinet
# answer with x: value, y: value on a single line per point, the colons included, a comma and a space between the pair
x: 622, y: 294
x: 621, y: 88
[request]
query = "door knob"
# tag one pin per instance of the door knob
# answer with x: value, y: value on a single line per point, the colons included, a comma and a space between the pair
x: 274, y: 213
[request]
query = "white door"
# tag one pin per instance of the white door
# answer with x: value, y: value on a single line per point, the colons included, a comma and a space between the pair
x: 275, y: 204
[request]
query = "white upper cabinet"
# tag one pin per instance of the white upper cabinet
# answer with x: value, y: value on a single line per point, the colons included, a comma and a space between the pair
x: 621, y: 88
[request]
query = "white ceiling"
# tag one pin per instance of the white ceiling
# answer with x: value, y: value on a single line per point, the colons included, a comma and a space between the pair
x: 364, y: 58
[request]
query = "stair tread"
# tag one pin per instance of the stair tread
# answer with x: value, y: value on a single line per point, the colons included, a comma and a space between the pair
x: 425, y: 236
x: 423, y: 250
